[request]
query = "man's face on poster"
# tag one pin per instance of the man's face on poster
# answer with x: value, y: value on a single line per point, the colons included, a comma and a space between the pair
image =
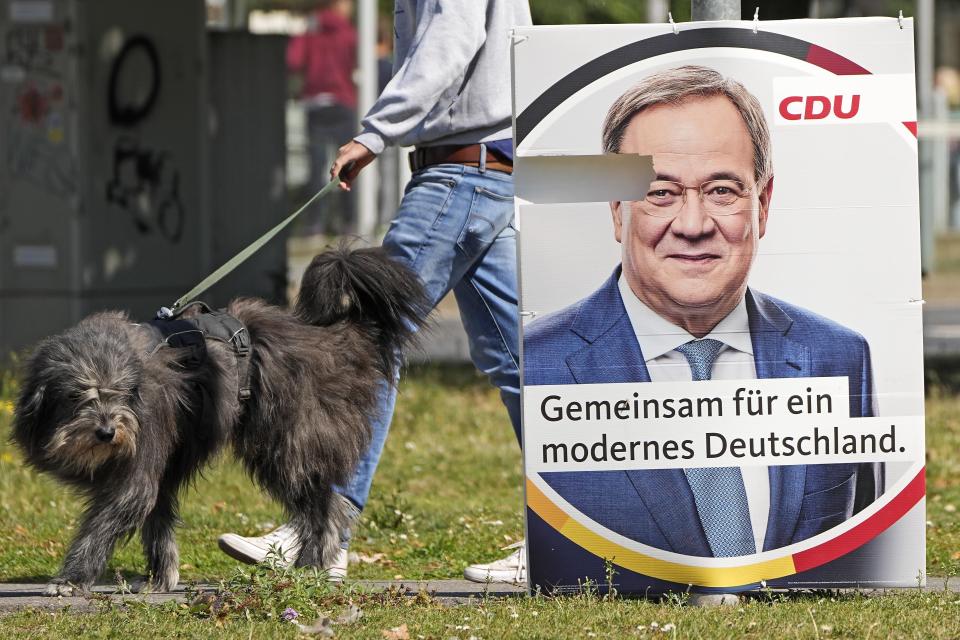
x: 693, y: 255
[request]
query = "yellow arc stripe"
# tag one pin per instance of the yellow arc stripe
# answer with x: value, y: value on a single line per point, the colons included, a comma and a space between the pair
x: 648, y: 565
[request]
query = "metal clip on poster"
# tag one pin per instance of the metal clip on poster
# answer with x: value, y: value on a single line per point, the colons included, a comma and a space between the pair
x: 756, y: 19
x: 676, y: 30
x: 900, y: 19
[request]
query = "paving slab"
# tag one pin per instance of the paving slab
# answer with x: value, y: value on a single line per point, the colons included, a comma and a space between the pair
x: 17, y: 597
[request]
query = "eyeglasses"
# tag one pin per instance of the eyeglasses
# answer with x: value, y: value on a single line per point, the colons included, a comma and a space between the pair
x: 665, y: 199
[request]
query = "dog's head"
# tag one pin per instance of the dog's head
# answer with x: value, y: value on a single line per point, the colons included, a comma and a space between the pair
x: 80, y: 398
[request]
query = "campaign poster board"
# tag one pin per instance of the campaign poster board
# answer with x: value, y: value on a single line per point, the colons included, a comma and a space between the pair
x: 722, y: 357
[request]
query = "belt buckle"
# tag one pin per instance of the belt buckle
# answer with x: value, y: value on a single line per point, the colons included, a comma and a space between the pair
x: 417, y: 159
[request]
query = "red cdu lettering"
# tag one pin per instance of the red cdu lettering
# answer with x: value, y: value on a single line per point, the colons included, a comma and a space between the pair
x: 854, y: 107
x: 785, y: 112
x: 813, y: 102
x: 818, y: 107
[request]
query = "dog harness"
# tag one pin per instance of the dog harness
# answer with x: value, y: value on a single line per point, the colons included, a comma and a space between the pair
x: 193, y: 332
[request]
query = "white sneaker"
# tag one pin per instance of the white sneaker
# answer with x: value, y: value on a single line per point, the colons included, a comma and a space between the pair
x: 282, y: 543
x: 714, y: 600
x: 512, y: 569
x: 337, y: 572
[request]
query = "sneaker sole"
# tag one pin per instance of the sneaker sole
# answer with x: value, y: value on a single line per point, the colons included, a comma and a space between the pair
x: 236, y: 553
x: 487, y: 577
x: 334, y: 574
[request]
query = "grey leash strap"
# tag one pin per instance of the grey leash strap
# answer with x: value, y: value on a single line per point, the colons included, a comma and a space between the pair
x: 235, y: 261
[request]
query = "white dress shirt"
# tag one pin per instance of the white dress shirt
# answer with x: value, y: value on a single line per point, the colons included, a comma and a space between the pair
x: 659, y: 338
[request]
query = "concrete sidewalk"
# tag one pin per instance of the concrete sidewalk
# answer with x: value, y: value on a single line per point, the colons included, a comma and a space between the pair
x: 16, y: 597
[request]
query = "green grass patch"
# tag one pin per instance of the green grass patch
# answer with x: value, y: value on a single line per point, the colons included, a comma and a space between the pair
x: 911, y: 615
x: 943, y: 483
x: 447, y: 494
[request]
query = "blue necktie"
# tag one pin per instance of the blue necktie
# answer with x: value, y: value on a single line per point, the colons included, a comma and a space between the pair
x: 718, y: 492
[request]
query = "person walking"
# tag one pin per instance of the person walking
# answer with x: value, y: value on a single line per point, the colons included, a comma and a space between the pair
x: 325, y: 57
x: 449, y: 98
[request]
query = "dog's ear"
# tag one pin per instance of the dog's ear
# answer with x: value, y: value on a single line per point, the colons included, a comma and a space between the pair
x: 32, y: 411
x: 35, y: 377
x: 29, y: 418
x: 31, y: 400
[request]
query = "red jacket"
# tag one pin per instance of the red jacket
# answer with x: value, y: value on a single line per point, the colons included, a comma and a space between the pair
x: 326, y: 55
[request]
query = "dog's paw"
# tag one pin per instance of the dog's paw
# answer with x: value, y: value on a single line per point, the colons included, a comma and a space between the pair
x: 60, y: 589
x: 157, y: 584
x: 168, y: 583
x: 141, y: 585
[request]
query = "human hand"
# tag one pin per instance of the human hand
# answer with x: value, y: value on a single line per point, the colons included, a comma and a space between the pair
x: 351, y: 159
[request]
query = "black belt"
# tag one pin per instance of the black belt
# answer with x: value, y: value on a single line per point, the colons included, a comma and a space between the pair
x: 469, y: 155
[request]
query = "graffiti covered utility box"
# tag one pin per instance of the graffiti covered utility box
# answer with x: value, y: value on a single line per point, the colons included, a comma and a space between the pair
x: 103, y: 147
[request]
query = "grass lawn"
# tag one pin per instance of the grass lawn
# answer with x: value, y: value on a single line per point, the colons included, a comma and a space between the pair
x: 447, y: 494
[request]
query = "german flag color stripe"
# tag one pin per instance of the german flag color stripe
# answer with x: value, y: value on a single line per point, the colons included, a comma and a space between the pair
x: 866, y: 530
x: 727, y: 576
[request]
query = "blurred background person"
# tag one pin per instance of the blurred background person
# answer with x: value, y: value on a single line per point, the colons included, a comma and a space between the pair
x: 325, y: 57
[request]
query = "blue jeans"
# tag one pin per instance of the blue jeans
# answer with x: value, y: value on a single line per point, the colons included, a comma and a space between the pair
x: 455, y: 229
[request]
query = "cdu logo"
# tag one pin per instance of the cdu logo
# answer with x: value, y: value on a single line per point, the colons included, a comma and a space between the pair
x: 819, y: 107
x: 843, y: 100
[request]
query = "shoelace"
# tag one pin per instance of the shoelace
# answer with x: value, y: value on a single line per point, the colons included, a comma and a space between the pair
x: 283, y: 534
x: 521, y: 552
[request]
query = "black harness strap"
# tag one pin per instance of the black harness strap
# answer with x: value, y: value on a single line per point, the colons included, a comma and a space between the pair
x: 193, y: 332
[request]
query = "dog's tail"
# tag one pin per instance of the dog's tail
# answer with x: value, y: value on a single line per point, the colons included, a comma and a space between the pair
x: 367, y: 287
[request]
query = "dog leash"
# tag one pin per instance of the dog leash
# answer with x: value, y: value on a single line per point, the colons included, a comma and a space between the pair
x: 165, y: 313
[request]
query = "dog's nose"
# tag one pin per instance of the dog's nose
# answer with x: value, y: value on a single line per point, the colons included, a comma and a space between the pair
x: 105, y: 432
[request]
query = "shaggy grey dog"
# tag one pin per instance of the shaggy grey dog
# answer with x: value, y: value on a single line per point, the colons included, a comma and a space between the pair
x: 128, y: 420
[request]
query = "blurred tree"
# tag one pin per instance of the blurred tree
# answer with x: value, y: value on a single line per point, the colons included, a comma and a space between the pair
x: 587, y: 11
x: 775, y: 10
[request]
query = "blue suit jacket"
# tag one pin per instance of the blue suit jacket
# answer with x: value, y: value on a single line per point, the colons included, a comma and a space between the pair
x: 593, y: 341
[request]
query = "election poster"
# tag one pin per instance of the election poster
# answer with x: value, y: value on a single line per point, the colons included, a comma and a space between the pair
x: 720, y: 292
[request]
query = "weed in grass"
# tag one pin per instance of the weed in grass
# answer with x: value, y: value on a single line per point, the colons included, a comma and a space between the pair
x: 265, y: 592
x: 610, y: 572
x: 588, y: 589
x: 390, y: 513
x: 768, y: 596
x: 123, y: 587
x: 677, y: 599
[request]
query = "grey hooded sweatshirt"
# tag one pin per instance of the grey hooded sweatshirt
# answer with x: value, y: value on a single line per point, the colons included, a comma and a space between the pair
x: 451, y: 82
